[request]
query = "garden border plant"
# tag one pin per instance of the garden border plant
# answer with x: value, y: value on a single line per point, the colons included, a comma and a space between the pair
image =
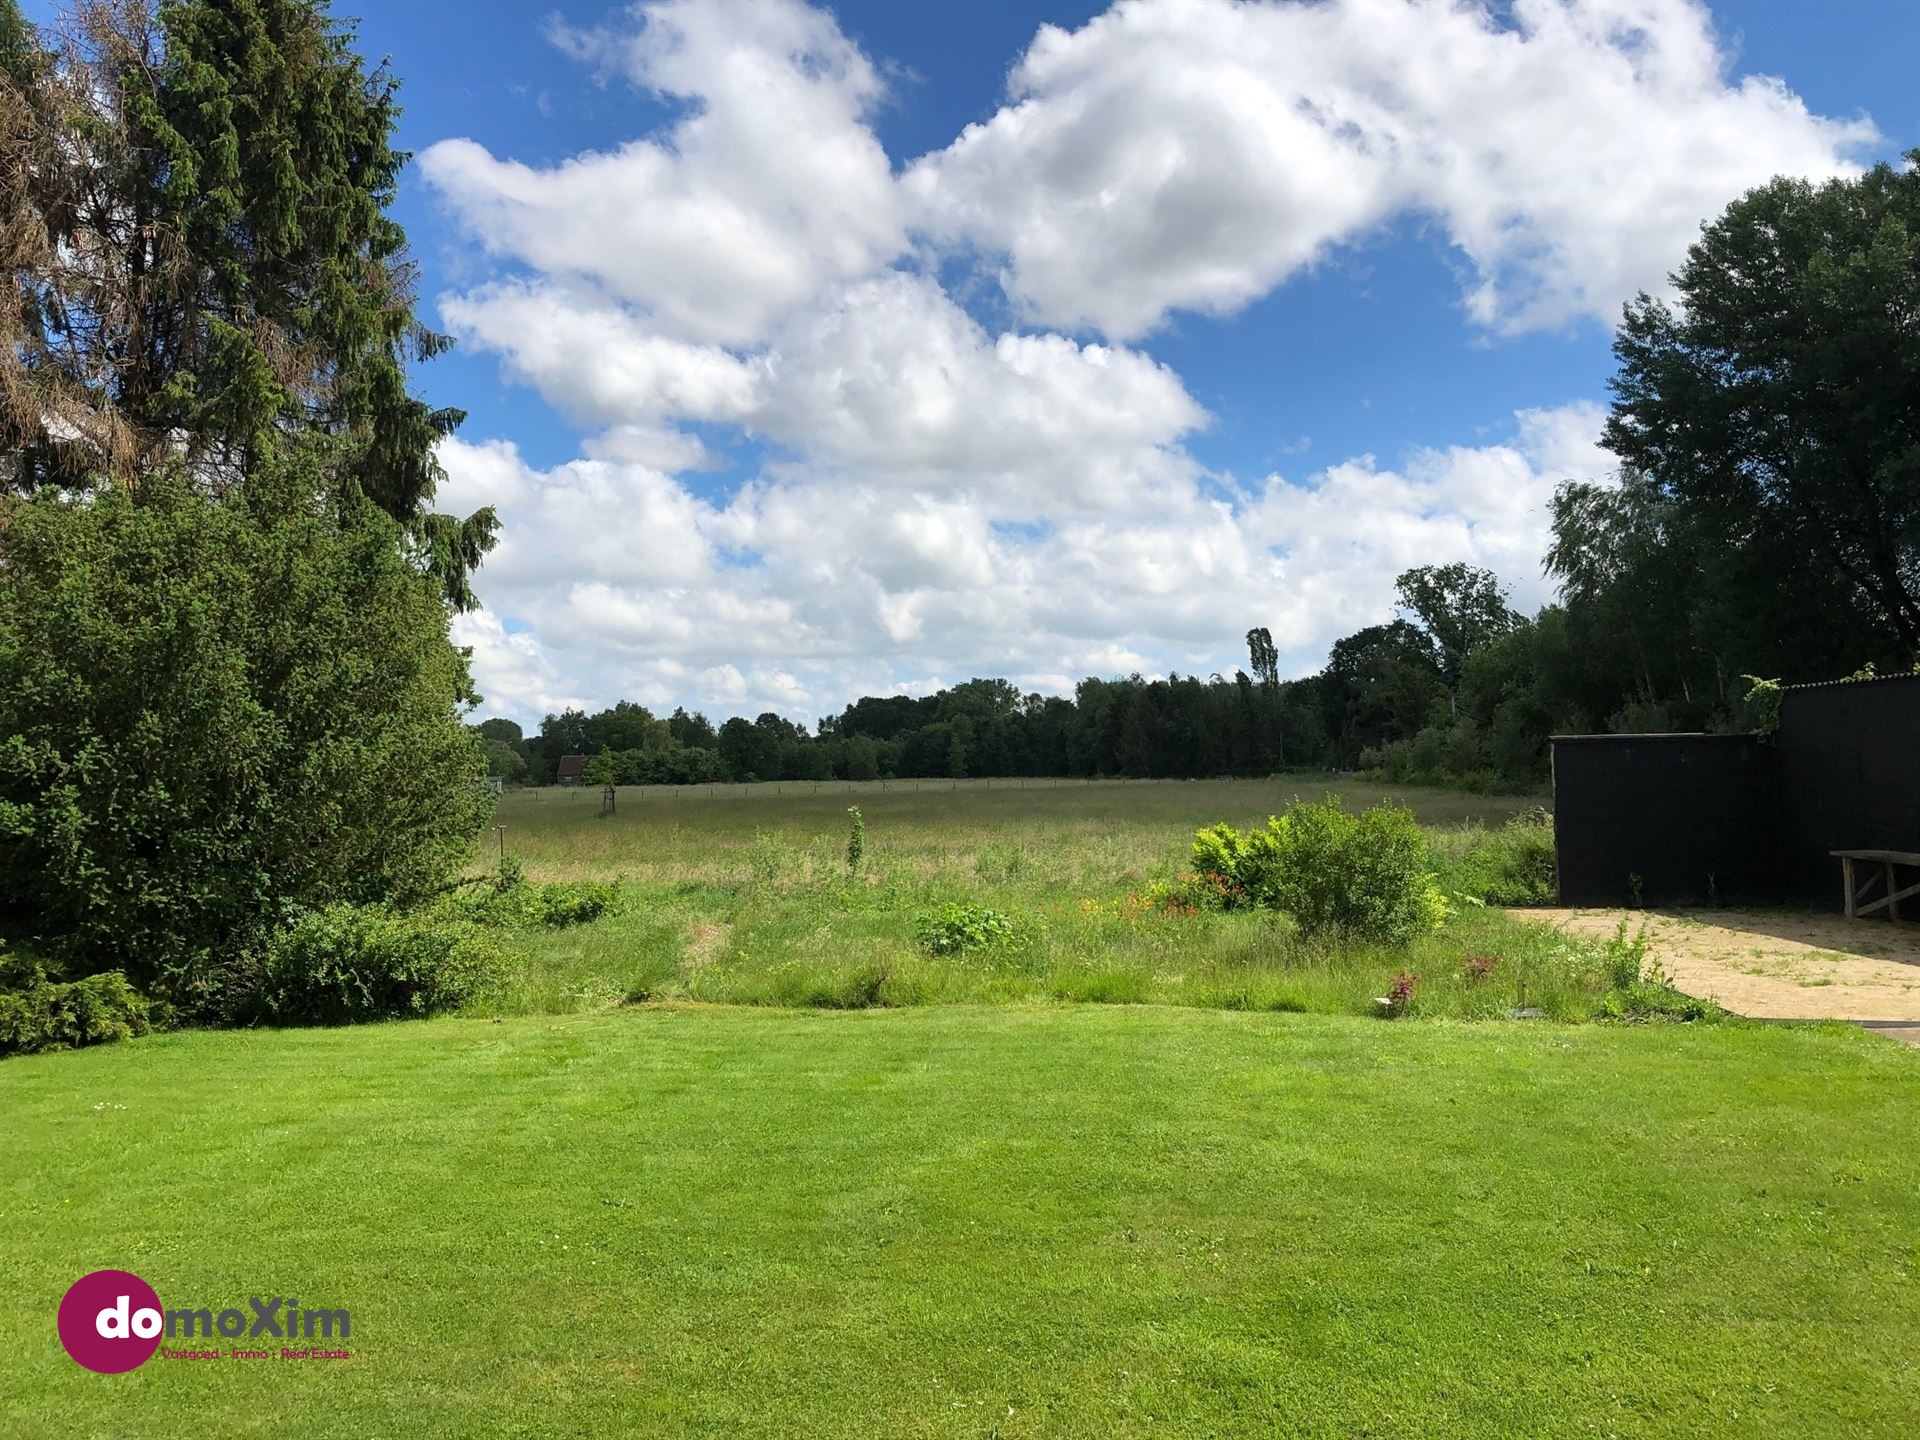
x: 1362, y: 876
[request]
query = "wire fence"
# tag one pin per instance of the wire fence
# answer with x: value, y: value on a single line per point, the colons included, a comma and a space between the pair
x: 720, y: 791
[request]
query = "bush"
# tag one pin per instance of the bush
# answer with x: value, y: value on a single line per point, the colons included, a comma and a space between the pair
x: 348, y: 963
x: 212, y: 710
x: 575, y: 902
x: 1625, y: 957
x: 954, y: 929
x: 1240, y: 869
x: 1457, y: 756
x: 37, y: 1013
x: 1361, y: 876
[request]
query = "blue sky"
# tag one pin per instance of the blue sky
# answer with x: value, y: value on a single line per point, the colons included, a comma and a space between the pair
x: 1264, y: 361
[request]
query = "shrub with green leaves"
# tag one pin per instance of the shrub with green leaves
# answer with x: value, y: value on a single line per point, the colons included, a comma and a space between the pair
x: 213, y: 710
x: 1193, y: 891
x: 348, y: 963
x: 954, y: 929
x: 1362, y: 876
x: 1240, y: 869
x: 576, y: 902
x: 38, y: 1012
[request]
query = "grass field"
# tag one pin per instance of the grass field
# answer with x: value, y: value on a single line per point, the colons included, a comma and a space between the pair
x: 845, y: 1209
x: 1016, y: 1221
x: 678, y: 833
x: 741, y: 896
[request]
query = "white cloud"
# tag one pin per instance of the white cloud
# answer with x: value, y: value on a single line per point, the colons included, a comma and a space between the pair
x: 890, y: 378
x: 1193, y: 154
x: 1350, y: 530
x: 771, y: 187
x: 593, y: 518
x: 514, y: 675
x: 886, y: 378
x: 845, y: 590
x: 597, y: 361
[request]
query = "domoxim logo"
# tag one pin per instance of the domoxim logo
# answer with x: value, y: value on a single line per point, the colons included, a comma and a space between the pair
x: 112, y: 1321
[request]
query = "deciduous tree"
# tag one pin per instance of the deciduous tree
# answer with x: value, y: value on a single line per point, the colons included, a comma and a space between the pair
x: 1780, y: 396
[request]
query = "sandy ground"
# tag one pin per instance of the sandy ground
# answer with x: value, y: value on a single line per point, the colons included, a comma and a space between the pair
x: 1777, y: 964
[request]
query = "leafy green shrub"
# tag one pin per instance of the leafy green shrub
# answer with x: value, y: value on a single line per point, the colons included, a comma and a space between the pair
x: 1762, y: 703
x: 1624, y: 957
x: 954, y: 929
x: 1361, y: 876
x: 38, y: 1013
x: 1457, y: 756
x: 211, y: 710
x: 575, y: 902
x: 1192, y: 891
x: 351, y: 962
x: 1240, y: 869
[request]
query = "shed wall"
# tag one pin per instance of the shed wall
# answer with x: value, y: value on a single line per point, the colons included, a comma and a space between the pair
x: 1692, y: 816
x: 1849, y: 779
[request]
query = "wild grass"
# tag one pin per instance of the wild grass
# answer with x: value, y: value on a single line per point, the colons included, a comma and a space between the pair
x: 1505, y: 864
x: 747, y: 899
x: 669, y: 834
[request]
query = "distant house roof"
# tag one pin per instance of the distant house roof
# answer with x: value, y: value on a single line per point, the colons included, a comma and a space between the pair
x: 570, y: 767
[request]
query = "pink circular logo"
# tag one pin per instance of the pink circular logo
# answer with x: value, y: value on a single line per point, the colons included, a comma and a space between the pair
x: 110, y: 1321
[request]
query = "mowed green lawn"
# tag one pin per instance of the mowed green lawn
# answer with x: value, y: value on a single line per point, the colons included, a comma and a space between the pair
x: 1018, y: 1220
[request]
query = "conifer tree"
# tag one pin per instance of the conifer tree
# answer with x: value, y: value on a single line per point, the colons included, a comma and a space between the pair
x: 195, y: 216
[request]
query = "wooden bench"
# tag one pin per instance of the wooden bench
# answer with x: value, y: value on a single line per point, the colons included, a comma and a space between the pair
x: 1884, y: 863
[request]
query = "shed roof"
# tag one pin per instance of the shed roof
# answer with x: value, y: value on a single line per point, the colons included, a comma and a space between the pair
x: 1647, y: 735
x: 1898, y: 677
